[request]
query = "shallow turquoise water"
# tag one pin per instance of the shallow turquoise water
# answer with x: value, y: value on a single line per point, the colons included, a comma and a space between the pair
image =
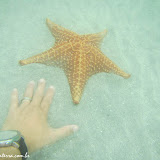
x: 118, y: 118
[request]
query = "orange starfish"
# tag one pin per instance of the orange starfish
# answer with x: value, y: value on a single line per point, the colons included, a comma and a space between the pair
x: 78, y: 55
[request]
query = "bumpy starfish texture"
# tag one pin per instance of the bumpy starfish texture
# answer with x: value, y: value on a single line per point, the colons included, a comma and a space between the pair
x: 78, y: 55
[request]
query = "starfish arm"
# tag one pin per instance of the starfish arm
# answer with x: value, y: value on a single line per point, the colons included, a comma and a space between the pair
x: 55, y: 56
x: 39, y: 58
x: 96, y: 38
x: 77, y: 76
x: 60, y: 33
x: 100, y: 63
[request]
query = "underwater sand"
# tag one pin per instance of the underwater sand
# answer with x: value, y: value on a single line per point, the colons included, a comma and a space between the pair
x: 119, y: 119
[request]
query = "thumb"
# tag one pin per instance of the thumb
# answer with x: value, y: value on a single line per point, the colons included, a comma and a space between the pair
x: 57, y: 134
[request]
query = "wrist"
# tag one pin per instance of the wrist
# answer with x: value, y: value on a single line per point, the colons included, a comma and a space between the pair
x: 12, y: 144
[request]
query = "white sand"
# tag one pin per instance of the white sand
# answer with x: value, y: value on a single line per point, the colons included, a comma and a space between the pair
x: 118, y: 118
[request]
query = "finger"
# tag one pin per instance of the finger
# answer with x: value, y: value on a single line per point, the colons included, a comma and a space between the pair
x: 63, y: 132
x: 14, y: 99
x: 47, y: 100
x: 37, y: 98
x: 28, y: 93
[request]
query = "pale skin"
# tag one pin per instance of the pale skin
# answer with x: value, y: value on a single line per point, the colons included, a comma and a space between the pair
x: 30, y: 118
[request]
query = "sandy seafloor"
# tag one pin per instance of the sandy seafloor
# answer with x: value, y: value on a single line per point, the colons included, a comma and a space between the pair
x: 119, y: 119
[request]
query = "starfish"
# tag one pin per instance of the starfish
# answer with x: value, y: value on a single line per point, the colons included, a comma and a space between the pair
x: 78, y: 55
